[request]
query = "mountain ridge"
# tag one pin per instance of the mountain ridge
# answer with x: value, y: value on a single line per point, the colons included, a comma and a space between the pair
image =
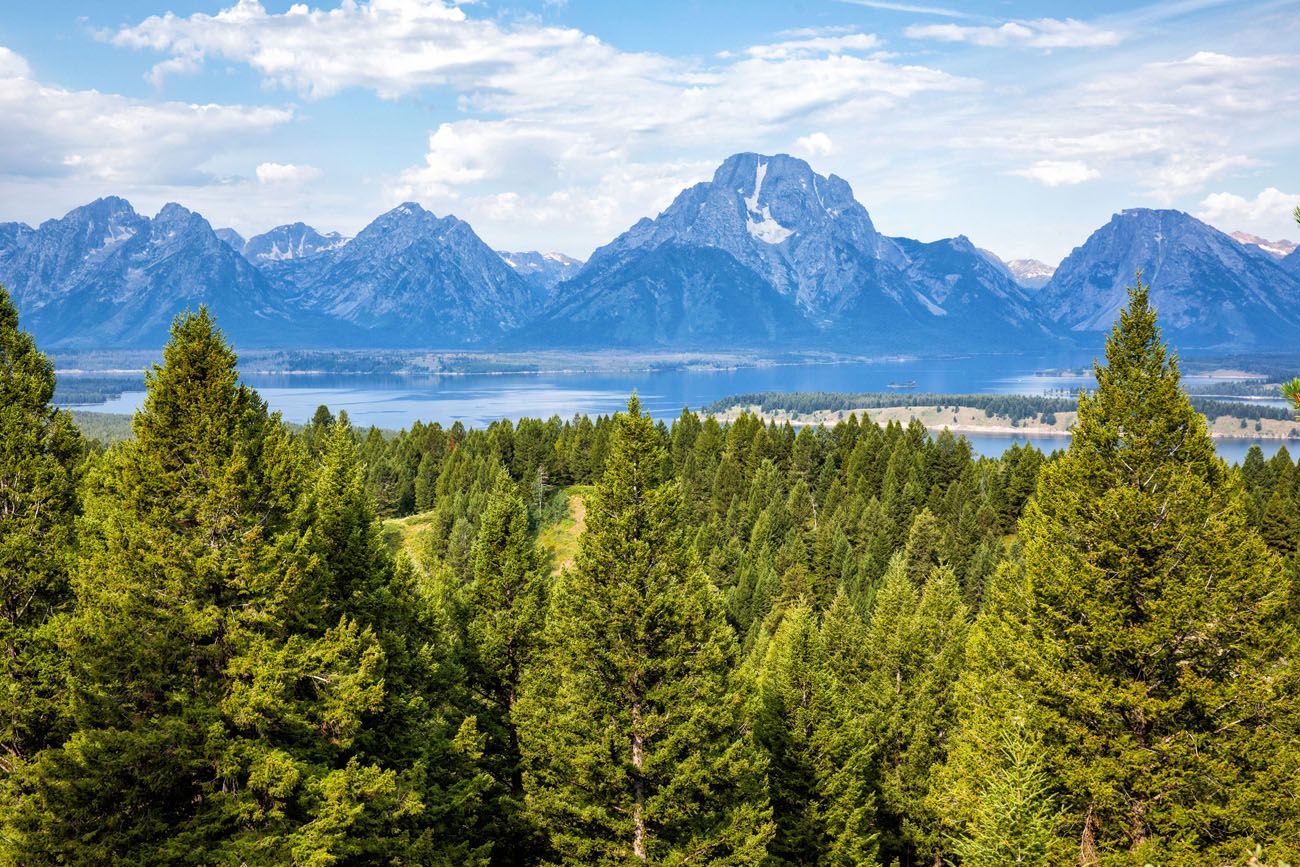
x: 766, y: 253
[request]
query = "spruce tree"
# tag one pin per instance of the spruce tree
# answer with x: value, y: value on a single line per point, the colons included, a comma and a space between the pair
x: 809, y: 719
x: 218, y: 694
x: 1144, y: 637
x: 914, y: 646
x: 634, y: 730
x: 40, y: 456
x: 1015, y: 816
x: 503, y: 609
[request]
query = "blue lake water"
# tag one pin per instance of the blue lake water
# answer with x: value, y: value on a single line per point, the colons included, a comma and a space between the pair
x: 393, y: 401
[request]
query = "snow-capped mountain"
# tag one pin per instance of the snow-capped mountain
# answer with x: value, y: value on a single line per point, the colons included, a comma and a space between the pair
x: 1277, y: 249
x: 541, y: 270
x: 410, y: 278
x: 294, y: 241
x: 767, y: 253
x: 105, y: 276
x: 1031, y: 273
x: 1210, y: 290
x: 770, y: 243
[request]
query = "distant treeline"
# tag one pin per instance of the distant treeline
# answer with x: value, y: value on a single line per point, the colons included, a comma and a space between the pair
x: 1017, y: 407
x: 78, y: 391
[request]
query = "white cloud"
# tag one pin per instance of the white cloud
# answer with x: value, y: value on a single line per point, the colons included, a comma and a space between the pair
x: 286, y: 173
x: 813, y: 44
x: 1056, y: 173
x: 1038, y: 33
x: 817, y: 144
x: 1269, y: 213
x: 55, y: 132
x: 908, y: 7
x: 13, y: 65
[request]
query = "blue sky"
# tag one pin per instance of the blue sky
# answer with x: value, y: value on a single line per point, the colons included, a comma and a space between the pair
x: 555, y: 125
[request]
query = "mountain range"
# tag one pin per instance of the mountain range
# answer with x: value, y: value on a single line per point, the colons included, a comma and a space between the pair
x: 767, y: 253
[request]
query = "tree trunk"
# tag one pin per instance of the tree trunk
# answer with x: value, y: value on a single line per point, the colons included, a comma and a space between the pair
x: 638, y: 787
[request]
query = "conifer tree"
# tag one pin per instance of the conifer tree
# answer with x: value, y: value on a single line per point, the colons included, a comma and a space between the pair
x: 217, y: 694
x: 1145, y: 636
x: 1015, y: 817
x: 809, y: 720
x: 634, y: 721
x: 503, y: 609
x: 40, y: 453
x: 914, y: 647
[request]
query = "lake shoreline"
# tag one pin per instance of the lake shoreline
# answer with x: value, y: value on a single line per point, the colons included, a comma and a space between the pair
x: 967, y: 420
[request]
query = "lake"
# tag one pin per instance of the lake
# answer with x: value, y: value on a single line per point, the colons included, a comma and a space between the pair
x: 395, y: 401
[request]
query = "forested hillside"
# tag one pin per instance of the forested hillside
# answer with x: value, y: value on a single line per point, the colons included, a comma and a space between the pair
x: 847, y: 645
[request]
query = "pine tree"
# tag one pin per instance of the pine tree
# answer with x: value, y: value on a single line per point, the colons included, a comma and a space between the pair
x: 503, y: 609
x: 40, y: 456
x: 1144, y: 637
x: 218, y: 694
x: 1016, y: 817
x: 633, y: 734
x: 809, y: 720
x: 914, y: 647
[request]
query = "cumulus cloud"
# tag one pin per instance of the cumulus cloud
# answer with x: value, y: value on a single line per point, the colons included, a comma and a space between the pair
x: 286, y: 173
x: 13, y: 65
x: 1269, y: 213
x: 1038, y: 33
x: 817, y: 144
x: 56, y: 132
x: 1056, y: 173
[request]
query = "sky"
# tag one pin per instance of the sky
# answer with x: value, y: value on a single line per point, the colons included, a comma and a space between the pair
x: 556, y: 124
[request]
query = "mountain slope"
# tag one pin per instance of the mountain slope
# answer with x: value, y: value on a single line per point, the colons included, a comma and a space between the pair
x: 105, y: 276
x: 1211, y: 291
x: 293, y: 241
x: 793, y: 253
x: 412, y: 279
x: 671, y: 295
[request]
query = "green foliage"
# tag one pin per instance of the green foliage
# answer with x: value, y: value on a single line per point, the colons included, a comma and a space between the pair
x: 40, y: 456
x: 1145, y: 638
x: 633, y: 732
x: 1015, y: 816
x: 1291, y: 391
x: 834, y: 645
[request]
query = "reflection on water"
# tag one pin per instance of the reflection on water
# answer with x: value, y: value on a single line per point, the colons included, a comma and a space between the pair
x: 392, y: 401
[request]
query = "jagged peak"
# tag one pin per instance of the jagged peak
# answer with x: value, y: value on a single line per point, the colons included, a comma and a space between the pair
x: 174, y: 212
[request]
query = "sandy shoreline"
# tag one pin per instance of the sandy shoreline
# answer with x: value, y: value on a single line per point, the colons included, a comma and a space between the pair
x: 967, y: 420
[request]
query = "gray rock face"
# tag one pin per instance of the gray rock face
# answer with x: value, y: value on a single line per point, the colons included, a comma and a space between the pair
x: 105, y: 276
x: 828, y: 277
x: 285, y: 243
x: 1210, y: 290
x: 411, y: 279
x: 233, y: 239
x: 541, y: 271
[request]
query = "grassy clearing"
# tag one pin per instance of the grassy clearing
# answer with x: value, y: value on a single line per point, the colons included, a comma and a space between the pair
x: 407, y: 534
x: 560, y: 539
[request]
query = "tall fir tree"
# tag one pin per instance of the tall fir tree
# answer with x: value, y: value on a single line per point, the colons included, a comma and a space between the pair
x: 1144, y: 638
x: 1015, y: 814
x: 634, y: 732
x: 40, y: 456
x: 502, y: 611
x: 217, y: 693
x: 914, y: 647
x: 809, y: 719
